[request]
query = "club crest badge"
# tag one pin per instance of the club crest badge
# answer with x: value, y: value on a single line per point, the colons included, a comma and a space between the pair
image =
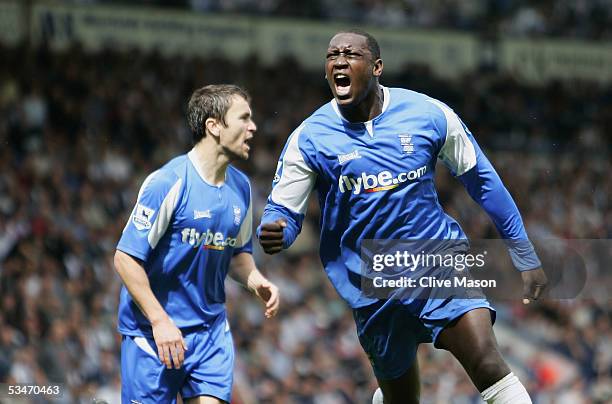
x: 406, y: 143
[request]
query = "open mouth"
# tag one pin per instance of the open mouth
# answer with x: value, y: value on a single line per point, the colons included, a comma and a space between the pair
x: 343, y: 84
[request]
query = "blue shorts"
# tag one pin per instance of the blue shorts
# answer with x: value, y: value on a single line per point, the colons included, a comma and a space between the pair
x: 206, y: 371
x: 390, y: 331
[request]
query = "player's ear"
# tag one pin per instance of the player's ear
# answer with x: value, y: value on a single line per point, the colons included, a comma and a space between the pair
x: 378, y: 68
x: 212, y: 126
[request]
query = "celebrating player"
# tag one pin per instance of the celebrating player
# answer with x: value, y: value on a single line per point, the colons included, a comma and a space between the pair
x: 192, y: 218
x: 371, y: 153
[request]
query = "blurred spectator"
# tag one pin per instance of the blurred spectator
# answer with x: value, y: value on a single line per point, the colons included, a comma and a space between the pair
x: 586, y: 19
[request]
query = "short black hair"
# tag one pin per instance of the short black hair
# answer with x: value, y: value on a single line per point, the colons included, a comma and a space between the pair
x: 212, y: 101
x: 370, y: 40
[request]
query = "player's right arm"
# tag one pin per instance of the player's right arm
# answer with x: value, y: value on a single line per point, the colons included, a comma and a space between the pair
x: 167, y: 336
x: 150, y: 218
x: 293, y: 182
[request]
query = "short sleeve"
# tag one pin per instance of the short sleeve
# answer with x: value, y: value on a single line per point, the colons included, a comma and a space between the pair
x: 457, y: 152
x: 153, y: 212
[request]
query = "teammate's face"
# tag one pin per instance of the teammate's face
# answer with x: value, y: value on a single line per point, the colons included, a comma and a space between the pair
x: 234, y: 138
x: 350, y: 68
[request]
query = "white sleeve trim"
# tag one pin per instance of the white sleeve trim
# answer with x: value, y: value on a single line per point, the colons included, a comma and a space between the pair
x: 164, y: 216
x: 458, y: 152
x: 246, y: 228
x: 297, y: 179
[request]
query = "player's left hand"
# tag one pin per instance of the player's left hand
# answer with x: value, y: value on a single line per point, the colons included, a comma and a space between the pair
x: 534, y: 284
x: 268, y: 293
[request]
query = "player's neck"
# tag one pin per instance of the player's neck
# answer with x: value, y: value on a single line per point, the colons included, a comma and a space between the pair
x: 367, y: 109
x: 212, y: 165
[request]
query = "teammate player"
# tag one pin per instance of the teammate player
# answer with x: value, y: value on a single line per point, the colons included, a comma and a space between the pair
x: 371, y: 154
x: 192, y: 218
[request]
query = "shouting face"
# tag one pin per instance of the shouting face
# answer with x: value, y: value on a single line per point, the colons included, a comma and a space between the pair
x: 351, y: 69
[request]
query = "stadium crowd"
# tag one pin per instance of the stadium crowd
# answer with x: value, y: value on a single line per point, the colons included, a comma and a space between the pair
x: 589, y: 19
x: 80, y: 131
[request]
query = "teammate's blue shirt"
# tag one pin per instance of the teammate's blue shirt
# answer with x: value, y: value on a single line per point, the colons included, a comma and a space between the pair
x: 185, y: 231
x: 375, y: 180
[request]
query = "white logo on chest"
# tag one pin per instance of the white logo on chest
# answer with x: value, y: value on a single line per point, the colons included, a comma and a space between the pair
x: 343, y: 158
x: 200, y: 214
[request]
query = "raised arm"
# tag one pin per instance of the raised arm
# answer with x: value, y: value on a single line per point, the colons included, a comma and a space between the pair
x: 293, y: 182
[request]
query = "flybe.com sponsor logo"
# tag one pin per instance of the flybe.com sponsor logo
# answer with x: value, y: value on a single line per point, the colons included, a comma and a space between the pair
x: 383, y: 181
x: 208, y: 240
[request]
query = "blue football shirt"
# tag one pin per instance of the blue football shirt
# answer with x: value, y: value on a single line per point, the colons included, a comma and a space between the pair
x: 185, y: 231
x: 375, y: 180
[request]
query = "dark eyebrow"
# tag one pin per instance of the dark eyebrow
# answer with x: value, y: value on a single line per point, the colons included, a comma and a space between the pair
x: 345, y: 47
x: 346, y: 50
